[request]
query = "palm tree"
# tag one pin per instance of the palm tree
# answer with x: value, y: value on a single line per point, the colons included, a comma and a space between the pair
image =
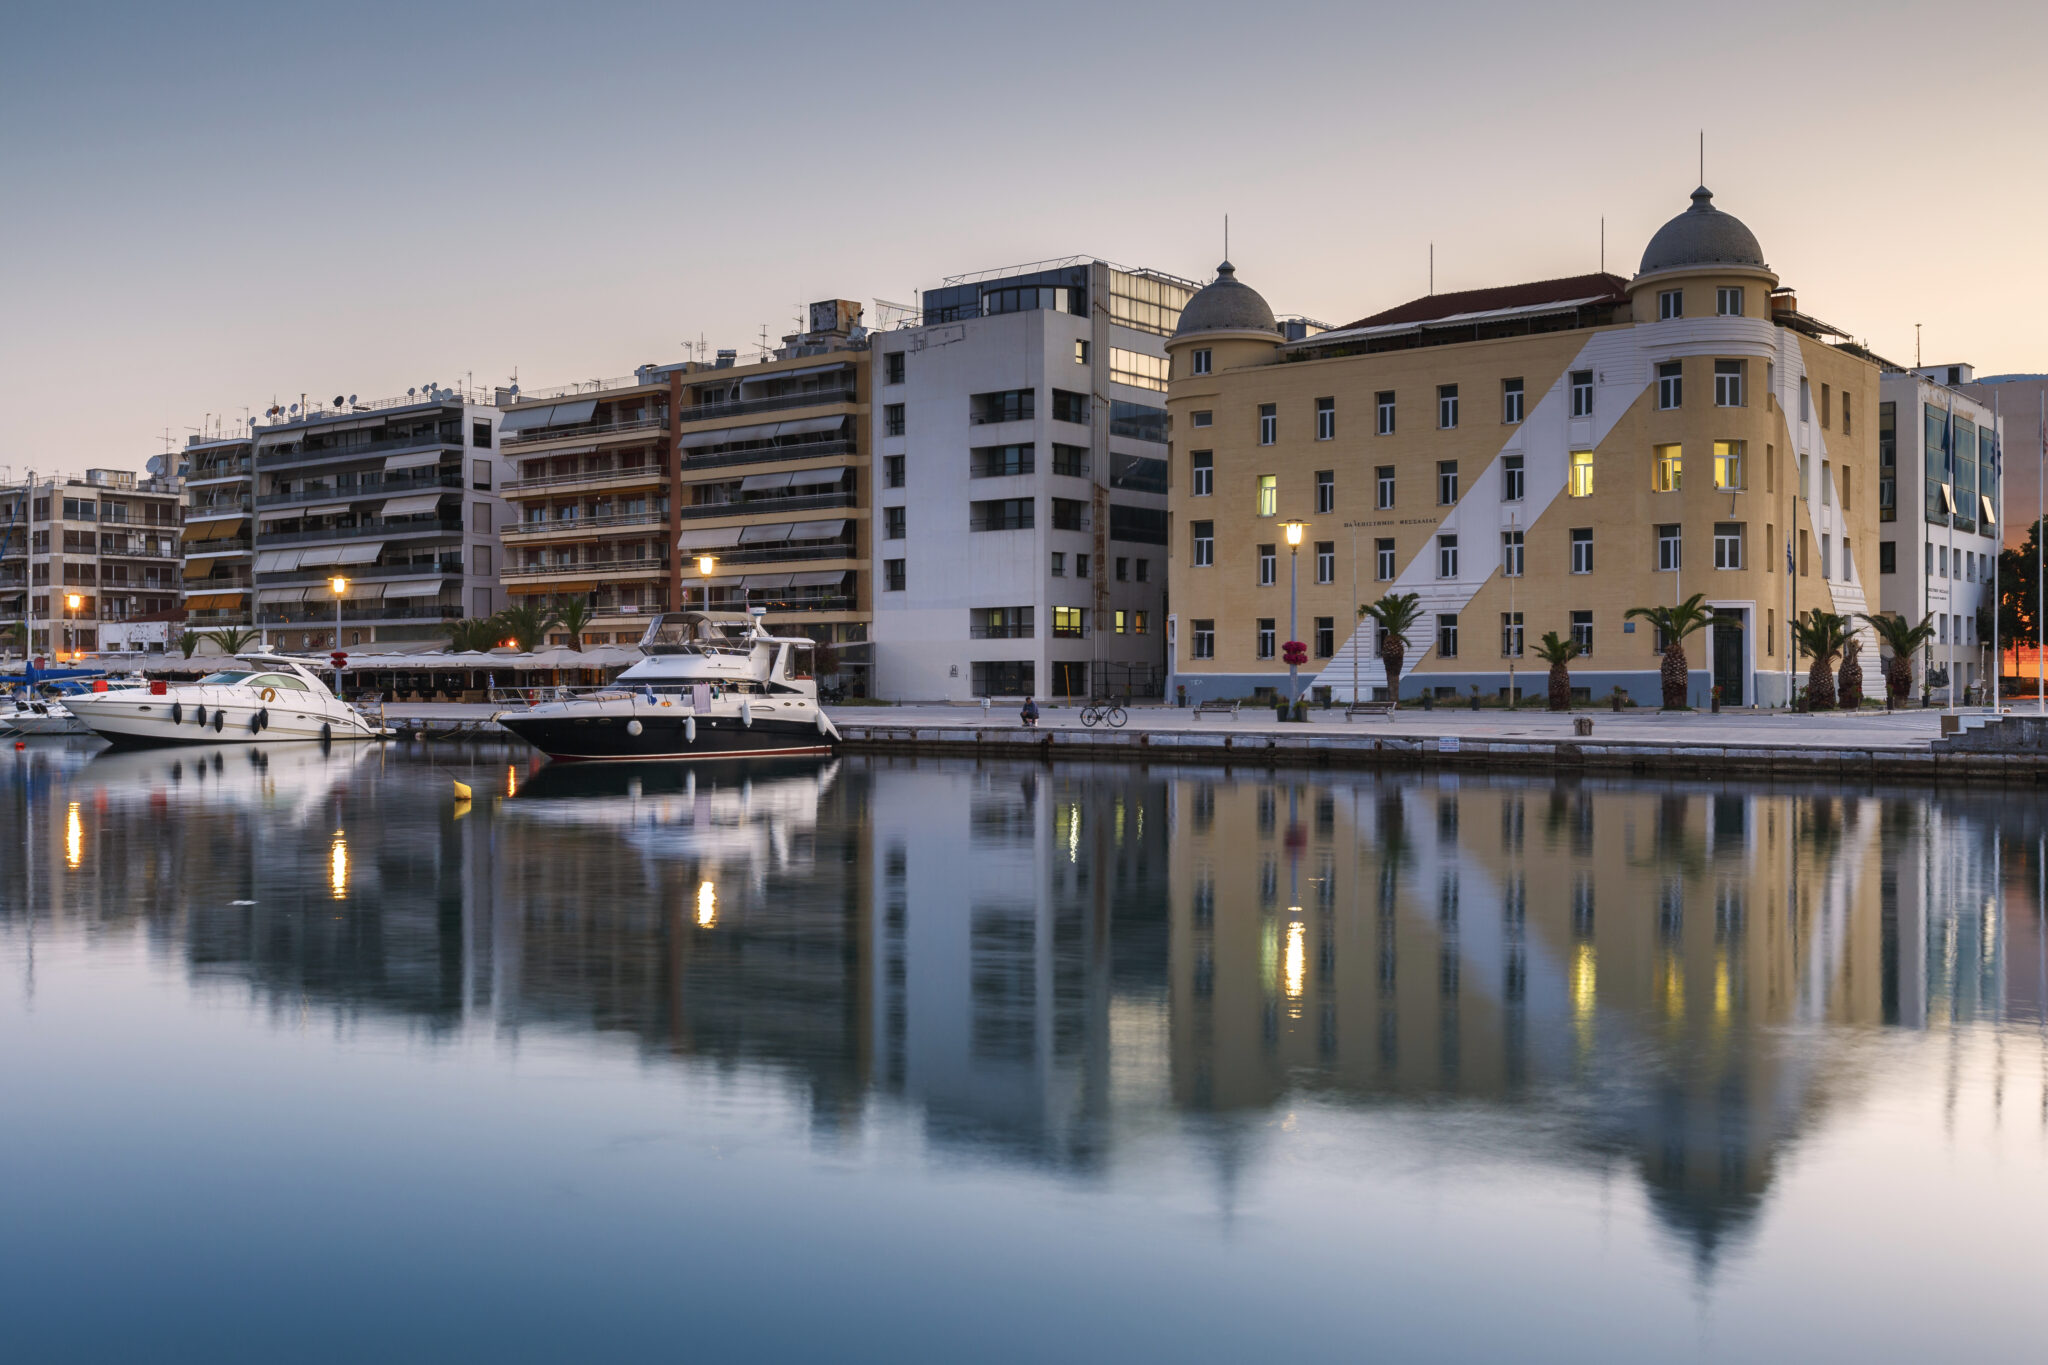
x: 1557, y: 653
x: 1673, y: 624
x: 1849, y: 681
x: 1396, y: 615
x: 188, y: 642
x: 15, y: 637
x: 1904, y: 642
x: 1821, y: 635
x: 573, y: 616
x: 231, y: 639
x: 475, y: 633
x: 527, y: 624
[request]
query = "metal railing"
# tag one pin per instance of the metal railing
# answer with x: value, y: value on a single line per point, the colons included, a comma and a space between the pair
x: 704, y: 412
x: 322, y: 572
x: 586, y: 387
x: 762, y: 505
x: 573, y: 524
x: 384, y: 488
x: 1001, y: 469
x: 984, y: 631
x: 810, y: 451
x: 773, y: 554
x: 437, y: 612
x: 211, y: 583
x: 404, y: 526
x: 618, y: 567
x: 1022, y: 522
x: 651, y: 469
x: 582, y: 430
x: 276, y: 455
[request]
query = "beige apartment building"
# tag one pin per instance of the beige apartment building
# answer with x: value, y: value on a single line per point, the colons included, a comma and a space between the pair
x: 1532, y: 458
x: 87, y: 562
x: 219, y: 535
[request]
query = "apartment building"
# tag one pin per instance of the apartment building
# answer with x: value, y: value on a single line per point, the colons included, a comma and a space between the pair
x: 219, y: 538
x: 1532, y: 458
x: 1020, y: 547
x: 400, y: 498
x: 1939, y: 518
x: 84, y: 558
x: 591, y: 486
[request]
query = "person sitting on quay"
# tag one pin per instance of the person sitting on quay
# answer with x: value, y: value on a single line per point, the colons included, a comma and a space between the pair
x: 1029, y: 714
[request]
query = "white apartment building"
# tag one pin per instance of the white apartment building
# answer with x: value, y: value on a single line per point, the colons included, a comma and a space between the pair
x: 1020, y: 450
x: 1939, y: 519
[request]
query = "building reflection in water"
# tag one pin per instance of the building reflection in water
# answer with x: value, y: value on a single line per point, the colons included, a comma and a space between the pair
x: 1042, y: 963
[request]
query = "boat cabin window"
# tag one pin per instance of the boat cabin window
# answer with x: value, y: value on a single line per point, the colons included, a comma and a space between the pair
x: 285, y: 680
x: 227, y: 679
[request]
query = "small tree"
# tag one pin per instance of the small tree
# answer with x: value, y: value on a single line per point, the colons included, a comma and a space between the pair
x: 1904, y: 642
x: 1673, y: 624
x: 231, y: 639
x: 574, y: 616
x: 526, y: 625
x: 1849, y: 681
x: 1558, y: 653
x: 188, y: 642
x: 473, y: 633
x: 1396, y: 615
x: 15, y: 636
x: 1821, y: 635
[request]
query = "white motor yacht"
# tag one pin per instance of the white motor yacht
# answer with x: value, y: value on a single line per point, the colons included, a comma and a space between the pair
x: 262, y: 699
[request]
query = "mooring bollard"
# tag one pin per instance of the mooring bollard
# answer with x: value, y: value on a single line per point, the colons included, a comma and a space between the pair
x: 1582, y: 725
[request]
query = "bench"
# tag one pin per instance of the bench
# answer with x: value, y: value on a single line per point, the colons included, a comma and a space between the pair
x: 1217, y: 707
x: 1369, y: 708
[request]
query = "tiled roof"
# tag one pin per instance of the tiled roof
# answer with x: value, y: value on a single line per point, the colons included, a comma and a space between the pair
x: 1433, y: 306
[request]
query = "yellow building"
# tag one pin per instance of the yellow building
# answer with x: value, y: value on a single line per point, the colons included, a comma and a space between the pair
x: 1533, y: 458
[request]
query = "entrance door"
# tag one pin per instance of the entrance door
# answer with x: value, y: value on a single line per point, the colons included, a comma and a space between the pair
x: 1731, y: 632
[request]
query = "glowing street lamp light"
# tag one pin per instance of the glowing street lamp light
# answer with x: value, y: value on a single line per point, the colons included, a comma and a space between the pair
x: 72, y: 602
x: 339, y: 587
x: 1293, y: 531
x: 705, y: 564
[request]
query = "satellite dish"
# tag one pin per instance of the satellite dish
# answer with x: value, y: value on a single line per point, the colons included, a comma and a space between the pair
x: 295, y: 409
x: 515, y: 388
x: 351, y: 399
x: 410, y: 392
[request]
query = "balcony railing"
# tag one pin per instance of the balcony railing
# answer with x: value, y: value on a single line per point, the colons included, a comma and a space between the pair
x: 1018, y: 522
x: 761, y: 505
x: 590, y: 524
x: 383, y: 488
x: 278, y: 616
x: 230, y: 470
x: 217, y: 616
x: 807, y: 451
x: 388, y: 529
x: 268, y: 458
x: 239, y: 544
x: 584, y: 430
x: 771, y: 554
x: 212, y: 582
x: 1001, y: 469
x: 586, y: 567
x: 651, y: 470
x: 705, y: 412
x: 777, y: 607
x: 982, y: 630
x: 140, y: 554
x: 323, y: 572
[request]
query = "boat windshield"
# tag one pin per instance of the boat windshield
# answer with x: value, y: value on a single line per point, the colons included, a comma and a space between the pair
x: 228, y: 679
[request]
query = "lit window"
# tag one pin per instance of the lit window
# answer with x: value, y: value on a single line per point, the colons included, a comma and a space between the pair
x: 1581, y: 483
x: 1728, y: 464
x: 1668, y: 470
x: 1137, y: 369
x: 1269, y: 495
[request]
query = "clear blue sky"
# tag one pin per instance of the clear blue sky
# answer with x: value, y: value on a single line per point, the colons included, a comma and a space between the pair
x: 208, y: 205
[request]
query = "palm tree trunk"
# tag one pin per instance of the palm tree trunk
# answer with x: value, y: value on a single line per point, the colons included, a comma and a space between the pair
x: 1849, y: 694
x: 1392, y: 655
x: 1560, y: 688
x: 1820, y: 687
x: 1677, y: 670
x: 1898, y: 679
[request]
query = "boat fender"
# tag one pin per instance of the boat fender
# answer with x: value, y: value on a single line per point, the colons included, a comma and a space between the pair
x: 199, y: 715
x: 822, y: 724
x: 746, y: 713
x: 690, y: 729
x: 633, y: 728
x: 256, y: 724
x: 220, y: 718
x: 269, y: 694
x: 263, y: 719
x: 177, y: 713
x: 326, y: 733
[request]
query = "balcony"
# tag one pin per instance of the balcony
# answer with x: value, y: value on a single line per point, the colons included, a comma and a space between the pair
x: 614, y: 568
x: 176, y: 553
x: 585, y: 525
x: 383, y: 488
x: 760, y: 506
x: 811, y: 451
x: 236, y: 469
x: 581, y: 431
x: 271, y: 458
x: 981, y: 630
x: 387, y: 529
x: 320, y: 573
x: 705, y: 412
x: 239, y: 544
x: 771, y: 554
x: 219, y: 582
x: 284, y: 616
x: 652, y: 471
x: 211, y: 617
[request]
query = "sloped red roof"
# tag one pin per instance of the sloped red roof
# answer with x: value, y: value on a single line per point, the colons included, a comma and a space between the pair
x: 1431, y: 307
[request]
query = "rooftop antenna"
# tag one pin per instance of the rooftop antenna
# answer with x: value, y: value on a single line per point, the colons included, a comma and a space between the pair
x: 1432, y: 267
x: 1703, y: 156
x: 1603, y: 244
x: 1916, y: 345
x: 1226, y: 236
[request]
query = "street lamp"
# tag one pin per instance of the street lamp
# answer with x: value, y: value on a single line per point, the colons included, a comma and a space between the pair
x: 705, y: 564
x: 1293, y: 531
x: 338, y: 586
x: 72, y: 602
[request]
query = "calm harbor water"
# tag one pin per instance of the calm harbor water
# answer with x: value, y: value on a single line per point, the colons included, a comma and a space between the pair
x: 914, y: 1059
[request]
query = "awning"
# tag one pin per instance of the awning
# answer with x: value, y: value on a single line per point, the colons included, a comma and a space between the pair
x: 798, y: 373
x: 365, y: 553
x: 411, y: 505
x: 805, y: 426
x: 198, y: 568
x: 280, y: 514
x: 203, y: 514
x: 367, y: 592
x: 525, y: 419
x: 760, y: 432
x: 817, y: 578
x: 319, y: 554
x: 569, y: 414
x: 270, y: 595
x: 817, y: 530
x: 536, y: 589
x: 770, y: 581
x: 813, y: 478
x: 196, y: 531
x: 420, y: 587
x: 755, y: 483
x: 215, y: 601
x: 416, y: 459
x: 709, y: 537
x: 323, y: 509
x: 754, y: 535
x: 278, y: 561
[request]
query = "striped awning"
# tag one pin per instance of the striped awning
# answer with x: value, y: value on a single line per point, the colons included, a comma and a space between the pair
x: 537, y: 589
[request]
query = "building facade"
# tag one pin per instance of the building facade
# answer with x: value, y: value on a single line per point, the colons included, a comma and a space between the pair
x: 84, y: 558
x: 1939, y: 511
x: 1528, y: 459
x: 401, y: 499
x: 1021, y: 430
x: 219, y: 536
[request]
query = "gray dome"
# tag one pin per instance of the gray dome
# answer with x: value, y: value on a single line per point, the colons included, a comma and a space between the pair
x: 1226, y: 306
x: 1702, y: 235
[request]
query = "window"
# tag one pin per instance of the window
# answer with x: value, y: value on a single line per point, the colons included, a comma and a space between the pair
x: 1511, y: 551
x: 1582, y: 631
x: 480, y: 435
x: 1846, y: 405
x: 1383, y: 560
x: 1887, y: 557
x: 1326, y: 636
x: 1727, y: 544
x: 1511, y: 635
x: 892, y: 575
x: 1070, y: 461
x: 1827, y: 483
x: 892, y: 471
x: 1203, y: 536
x: 1582, y: 549
x: 1728, y: 302
x: 1582, y: 393
x: 1326, y: 419
x: 1073, y: 407
x: 1446, y: 635
x: 1384, y: 402
x: 1005, y: 678
x: 1326, y: 490
x: 892, y: 523
x: 1670, y: 384
x: 1728, y: 465
x: 1846, y: 473
x: 1144, y: 571
x: 1827, y: 407
x: 1069, y: 514
x: 1668, y: 536
x: 1383, y: 479
x: 1080, y: 352
x: 1203, y: 465
x: 1265, y: 637
x: 1580, y: 484
x: 1668, y: 469
x: 1202, y: 419
x: 1511, y: 478
x: 1728, y: 383
x: 1446, y: 406
x: 1269, y: 495
x: 1849, y: 564
x: 1059, y: 563
x: 480, y: 475
x: 1446, y: 482
x: 1269, y: 565
x: 892, y: 418
x: 1069, y: 623
x: 1199, y: 361
x: 1269, y: 423
x: 1080, y: 566
x: 1670, y: 304
x: 1002, y: 514
x: 1326, y: 561
x: 480, y: 519
x: 1446, y: 556
x: 1826, y: 553
x: 1121, y: 621
x: 1511, y: 401
x: 1000, y: 623
x: 1139, y: 370
x: 1123, y: 569
x: 1204, y: 638
x: 892, y: 368
x: 1805, y: 399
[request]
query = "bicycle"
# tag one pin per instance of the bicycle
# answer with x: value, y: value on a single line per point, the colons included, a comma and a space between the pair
x: 1112, y: 714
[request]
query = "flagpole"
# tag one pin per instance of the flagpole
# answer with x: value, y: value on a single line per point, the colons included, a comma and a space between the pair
x: 1997, y: 553
x: 2040, y: 562
x: 1948, y: 453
